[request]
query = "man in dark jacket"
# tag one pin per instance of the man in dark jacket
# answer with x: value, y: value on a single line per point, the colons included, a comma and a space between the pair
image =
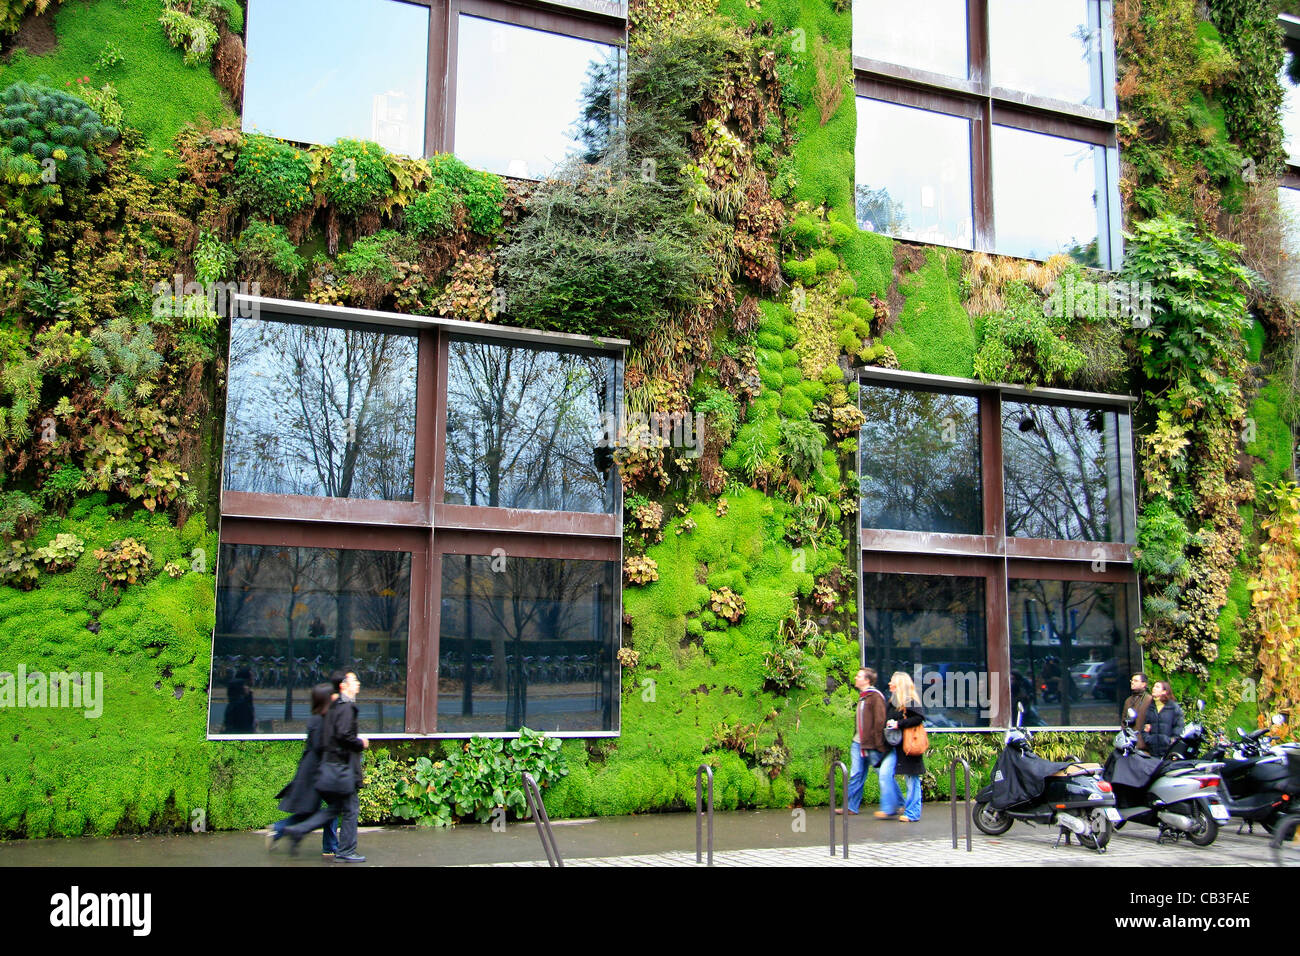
x: 868, y: 747
x: 342, y: 737
x: 1140, y: 702
x: 1164, y: 720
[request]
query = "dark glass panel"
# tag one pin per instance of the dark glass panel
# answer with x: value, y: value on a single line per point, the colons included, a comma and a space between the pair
x: 1065, y: 472
x: 525, y: 426
x: 287, y: 617
x: 920, y: 454
x: 320, y: 70
x: 527, y: 642
x: 913, y: 174
x: 1072, y: 651
x: 933, y: 629
x: 316, y: 410
x: 527, y: 100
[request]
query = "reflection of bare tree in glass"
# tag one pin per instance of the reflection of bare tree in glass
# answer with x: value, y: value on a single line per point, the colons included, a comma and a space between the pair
x: 522, y: 427
x: 1056, y: 485
x: 920, y: 461
x: 877, y: 211
x: 601, y: 106
x: 1060, y: 610
x: 321, y: 411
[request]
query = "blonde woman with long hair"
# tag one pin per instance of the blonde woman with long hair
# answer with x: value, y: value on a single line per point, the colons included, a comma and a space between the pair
x: 904, y: 711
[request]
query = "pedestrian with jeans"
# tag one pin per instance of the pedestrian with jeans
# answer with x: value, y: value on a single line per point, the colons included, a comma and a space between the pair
x: 868, y: 747
x: 339, y: 777
x: 904, y: 712
x: 299, y: 797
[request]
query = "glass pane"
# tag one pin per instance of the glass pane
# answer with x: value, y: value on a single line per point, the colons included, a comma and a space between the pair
x: 526, y: 642
x: 932, y: 628
x: 1049, y: 48
x: 314, y: 410
x: 1072, y: 651
x: 924, y: 34
x: 1289, y: 79
x: 1048, y: 196
x: 527, y: 100
x: 1064, y: 472
x: 287, y: 617
x: 920, y: 460
x: 525, y: 427
x: 1288, y: 201
x: 913, y: 173
x: 319, y: 70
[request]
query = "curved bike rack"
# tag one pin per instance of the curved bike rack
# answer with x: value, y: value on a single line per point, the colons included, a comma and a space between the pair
x: 952, y: 798
x: 830, y: 783
x: 538, y: 811
x: 703, y: 771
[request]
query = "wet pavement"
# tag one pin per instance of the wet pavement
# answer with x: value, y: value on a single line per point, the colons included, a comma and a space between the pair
x: 784, y: 837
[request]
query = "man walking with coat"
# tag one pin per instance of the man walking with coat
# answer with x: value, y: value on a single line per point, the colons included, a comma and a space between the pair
x: 868, y: 747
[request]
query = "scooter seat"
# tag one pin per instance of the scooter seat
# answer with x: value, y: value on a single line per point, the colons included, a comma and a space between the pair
x: 1078, y: 770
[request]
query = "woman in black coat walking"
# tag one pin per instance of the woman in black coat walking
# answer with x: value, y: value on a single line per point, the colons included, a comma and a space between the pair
x: 299, y: 797
x: 904, y: 711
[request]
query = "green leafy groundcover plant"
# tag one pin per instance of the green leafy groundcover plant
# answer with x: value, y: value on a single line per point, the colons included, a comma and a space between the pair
x: 273, y: 177
x: 475, y: 779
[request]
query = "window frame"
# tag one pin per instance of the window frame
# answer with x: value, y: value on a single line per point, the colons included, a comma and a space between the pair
x: 425, y: 526
x: 596, y: 20
x: 993, y: 555
x: 975, y: 98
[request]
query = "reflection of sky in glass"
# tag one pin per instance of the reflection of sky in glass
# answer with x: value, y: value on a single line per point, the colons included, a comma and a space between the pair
x: 913, y: 173
x: 1288, y: 201
x: 922, y: 34
x: 319, y: 70
x: 1046, y: 47
x: 320, y: 411
x: 1045, y: 194
x: 1290, y: 110
x: 519, y: 93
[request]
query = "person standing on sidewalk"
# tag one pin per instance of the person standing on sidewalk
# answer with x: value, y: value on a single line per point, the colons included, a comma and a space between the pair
x: 904, y: 712
x: 1139, y: 702
x: 868, y: 747
x: 1164, y: 720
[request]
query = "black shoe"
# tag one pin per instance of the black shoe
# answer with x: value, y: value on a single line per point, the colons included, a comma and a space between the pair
x: 294, y: 840
x: 349, y: 858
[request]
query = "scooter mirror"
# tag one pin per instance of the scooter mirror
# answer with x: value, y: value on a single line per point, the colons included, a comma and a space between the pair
x: 1278, y: 720
x: 1020, y: 713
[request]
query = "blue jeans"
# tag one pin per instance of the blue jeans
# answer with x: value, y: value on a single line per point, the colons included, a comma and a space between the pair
x: 890, y: 798
x: 329, y: 836
x: 861, y: 766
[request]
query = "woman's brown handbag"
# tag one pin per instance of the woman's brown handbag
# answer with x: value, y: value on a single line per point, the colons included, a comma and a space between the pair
x: 915, y: 740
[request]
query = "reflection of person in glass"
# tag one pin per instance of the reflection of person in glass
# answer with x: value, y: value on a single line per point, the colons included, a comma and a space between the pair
x: 240, y: 715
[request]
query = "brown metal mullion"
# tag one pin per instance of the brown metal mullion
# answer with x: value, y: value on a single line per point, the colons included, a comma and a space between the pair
x: 998, y: 634
x: 585, y: 25
x: 977, y: 43
x: 440, y: 422
x: 981, y: 133
x: 417, y: 667
x: 998, y: 637
x: 451, y: 59
x: 430, y: 670
x: 991, y: 465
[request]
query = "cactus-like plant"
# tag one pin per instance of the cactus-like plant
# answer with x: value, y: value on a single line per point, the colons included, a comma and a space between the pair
x: 48, y: 136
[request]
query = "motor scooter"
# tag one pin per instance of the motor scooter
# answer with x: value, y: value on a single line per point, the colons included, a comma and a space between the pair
x: 1260, y: 781
x: 1177, y: 795
x: 1067, y: 794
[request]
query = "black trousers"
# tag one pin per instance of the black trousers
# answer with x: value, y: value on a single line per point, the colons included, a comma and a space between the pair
x: 349, y: 810
x: 334, y: 806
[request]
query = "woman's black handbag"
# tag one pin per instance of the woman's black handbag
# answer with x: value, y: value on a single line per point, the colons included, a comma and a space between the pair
x: 334, y: 777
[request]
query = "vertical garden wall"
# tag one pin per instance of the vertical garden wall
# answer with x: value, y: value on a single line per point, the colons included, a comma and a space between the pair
x: 739, y: 273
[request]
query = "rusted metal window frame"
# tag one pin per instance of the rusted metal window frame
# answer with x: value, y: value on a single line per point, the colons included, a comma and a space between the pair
x: 993, y: 555
x: 975, y: 98
x: 425, y: 526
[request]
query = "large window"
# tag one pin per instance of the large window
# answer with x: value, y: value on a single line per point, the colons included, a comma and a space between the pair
x: 989, y: 124
x: 997, y: 532
x: 515, y: 88
x: 427, y: 503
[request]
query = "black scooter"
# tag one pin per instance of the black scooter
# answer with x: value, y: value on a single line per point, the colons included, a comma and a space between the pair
x: 1069, y: 795
x: 1260, y: 782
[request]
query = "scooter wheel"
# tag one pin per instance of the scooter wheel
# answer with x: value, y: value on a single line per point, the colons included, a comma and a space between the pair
x: 1207, y: 828
x: 1101, y: 831
x: 990, y: 821
x: 1286, y: 842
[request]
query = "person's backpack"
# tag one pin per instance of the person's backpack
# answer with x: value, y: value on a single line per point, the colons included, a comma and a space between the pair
x: 915, y: 740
